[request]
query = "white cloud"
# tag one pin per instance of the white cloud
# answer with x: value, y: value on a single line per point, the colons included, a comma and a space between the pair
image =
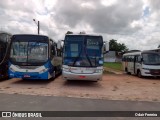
x: 108, y: 2
x: 126, y: 21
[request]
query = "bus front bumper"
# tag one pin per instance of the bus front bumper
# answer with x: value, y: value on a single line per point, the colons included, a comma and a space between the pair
x: 23, y: 75
x: 75, y: 76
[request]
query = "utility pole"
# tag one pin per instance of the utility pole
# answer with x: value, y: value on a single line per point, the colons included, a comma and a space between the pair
x: 38, y: 25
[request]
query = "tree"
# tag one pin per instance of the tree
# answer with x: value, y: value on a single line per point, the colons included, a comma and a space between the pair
x: 69, y: 32
x: 159, y: 46
x: 118, y: 47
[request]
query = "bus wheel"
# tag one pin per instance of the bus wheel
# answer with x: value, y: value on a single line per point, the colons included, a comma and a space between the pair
x: 126, y: 70
x: 54, y: 74
x: 139, y: 74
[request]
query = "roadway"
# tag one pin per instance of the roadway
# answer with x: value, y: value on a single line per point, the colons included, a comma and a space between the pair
x: 16, y: 102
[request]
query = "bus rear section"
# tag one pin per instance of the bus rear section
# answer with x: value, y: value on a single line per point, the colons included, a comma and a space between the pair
x: 145, y: 63
x: 3, y: 64
x: 82, y: 57
x: 31, y: 57
x: 4, y: 48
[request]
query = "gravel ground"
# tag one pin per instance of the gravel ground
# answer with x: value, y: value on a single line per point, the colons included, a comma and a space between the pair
x: 112, y: 87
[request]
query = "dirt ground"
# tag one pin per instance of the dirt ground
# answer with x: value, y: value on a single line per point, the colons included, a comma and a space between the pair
x: 112, y: 87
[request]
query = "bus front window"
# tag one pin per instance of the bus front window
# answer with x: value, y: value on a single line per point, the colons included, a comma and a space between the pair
x: 151, y: 58
x: 83, y: 51
x: 29, y: 52
x: 37, y: 52
x: 94, y: 50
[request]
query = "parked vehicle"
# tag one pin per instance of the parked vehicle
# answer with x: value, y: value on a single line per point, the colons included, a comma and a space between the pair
x: 83, y: 57
x: 4, y: 54
x: 33, y: 57
x: 145, y: 63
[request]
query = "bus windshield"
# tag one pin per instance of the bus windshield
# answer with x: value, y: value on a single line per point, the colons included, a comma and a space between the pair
x: 83, y: 51
x: 29, y: 53
x: 151, y: 58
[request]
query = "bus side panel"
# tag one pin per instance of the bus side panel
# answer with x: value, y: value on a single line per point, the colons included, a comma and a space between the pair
x: 50, y: 69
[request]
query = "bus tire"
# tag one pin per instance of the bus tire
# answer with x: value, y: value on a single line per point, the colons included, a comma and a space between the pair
x: 54, y: 74
x: 126, y: 70
x: 139, y: 74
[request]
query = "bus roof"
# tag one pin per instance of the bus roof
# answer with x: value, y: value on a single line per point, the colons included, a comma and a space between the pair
x: 139, y: 53
x: 83, y: 35
x: 29, y: 35
x: 132, y: 53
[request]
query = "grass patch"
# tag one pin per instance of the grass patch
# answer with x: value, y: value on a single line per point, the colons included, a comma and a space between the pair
x: 114, y: 66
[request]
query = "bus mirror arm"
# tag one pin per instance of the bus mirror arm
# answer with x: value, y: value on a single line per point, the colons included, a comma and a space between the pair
x: 106, y: 47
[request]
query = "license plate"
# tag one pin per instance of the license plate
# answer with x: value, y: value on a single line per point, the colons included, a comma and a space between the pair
x: 82, y: 76
x: 26, y: 76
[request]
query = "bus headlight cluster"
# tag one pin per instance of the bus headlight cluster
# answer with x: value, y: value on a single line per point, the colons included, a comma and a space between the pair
x: 98, y: 70
x: 12, y: 69
x: 146, y: 68
x: 66, y: 69
x: 43, y: 70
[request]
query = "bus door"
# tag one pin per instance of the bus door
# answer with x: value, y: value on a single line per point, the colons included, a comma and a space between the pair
x: 130, y: 64
x: 137, y: 63
x: 135, y: 58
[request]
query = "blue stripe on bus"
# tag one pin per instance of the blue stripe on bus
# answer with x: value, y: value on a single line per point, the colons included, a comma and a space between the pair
x: 33, y: 75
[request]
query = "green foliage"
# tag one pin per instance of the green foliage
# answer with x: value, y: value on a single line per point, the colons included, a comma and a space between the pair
x: 69, y: 32
x: 115, y: 46
x: 114, y: 66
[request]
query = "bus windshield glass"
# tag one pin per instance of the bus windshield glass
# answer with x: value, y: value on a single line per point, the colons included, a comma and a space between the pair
x: 151, y: 58
x: 83, y: 51
x: 29, y: 53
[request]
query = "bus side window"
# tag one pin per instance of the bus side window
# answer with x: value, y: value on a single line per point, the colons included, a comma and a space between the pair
x: 132, y: 58
x: 129, y: 58
x: 53, y: 50
x: 139, y: 60
x: 124, y: 58
x: 136, y: 59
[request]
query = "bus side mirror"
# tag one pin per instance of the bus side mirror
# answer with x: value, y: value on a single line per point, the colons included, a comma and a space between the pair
x: 106, y: 47
x: 53, y: 50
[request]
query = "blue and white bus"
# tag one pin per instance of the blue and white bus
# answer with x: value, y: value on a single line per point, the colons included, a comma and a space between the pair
x: 83, y: 57
x: 33, y: 57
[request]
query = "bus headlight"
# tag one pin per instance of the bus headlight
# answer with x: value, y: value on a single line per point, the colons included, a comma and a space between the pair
x: 66, y: 69
x: 12, y: 69
x: 146, y: 68
x: 43, y: 70
x: 98, y: 70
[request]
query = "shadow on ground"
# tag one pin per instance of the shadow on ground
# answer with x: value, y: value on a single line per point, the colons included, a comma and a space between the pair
x: 35, y: 81
x: 81, y: 83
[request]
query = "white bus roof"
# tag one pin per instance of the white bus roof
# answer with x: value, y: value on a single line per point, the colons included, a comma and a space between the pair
x: 132, y: 53
x: 139, y: 53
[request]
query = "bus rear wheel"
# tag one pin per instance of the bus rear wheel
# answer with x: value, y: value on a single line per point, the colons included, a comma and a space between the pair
x: 54, y: 74
x: 126, y: 70
x: 139, y: 74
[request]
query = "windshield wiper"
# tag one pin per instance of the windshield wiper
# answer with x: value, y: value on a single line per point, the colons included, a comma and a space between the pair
x: 95, y: 60
x: 88, y: 57
x: 77, y: 57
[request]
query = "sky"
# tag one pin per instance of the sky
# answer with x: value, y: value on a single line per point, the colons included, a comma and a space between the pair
x: 136, y: 23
